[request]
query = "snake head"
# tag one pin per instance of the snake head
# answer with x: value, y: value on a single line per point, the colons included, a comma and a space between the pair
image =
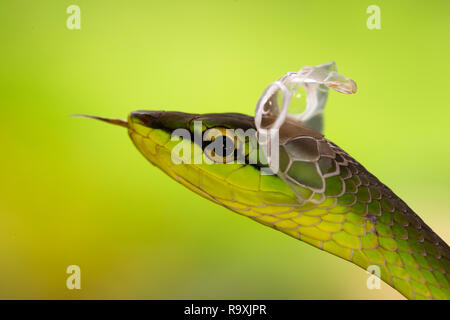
x: 194, y: 150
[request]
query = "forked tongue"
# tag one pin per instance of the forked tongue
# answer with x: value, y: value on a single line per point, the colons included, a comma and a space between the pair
x: 116, y: 122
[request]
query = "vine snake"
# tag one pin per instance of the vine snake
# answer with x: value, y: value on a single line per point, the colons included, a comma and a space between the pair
x: 351, y: 214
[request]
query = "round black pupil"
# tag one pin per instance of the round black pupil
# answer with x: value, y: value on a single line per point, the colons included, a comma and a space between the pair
x: 227, y: 147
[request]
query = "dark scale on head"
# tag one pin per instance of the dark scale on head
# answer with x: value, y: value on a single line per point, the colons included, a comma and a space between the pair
x: 224, y: 146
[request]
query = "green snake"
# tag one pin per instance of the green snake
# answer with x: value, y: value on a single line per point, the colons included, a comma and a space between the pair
x: 348, y: 212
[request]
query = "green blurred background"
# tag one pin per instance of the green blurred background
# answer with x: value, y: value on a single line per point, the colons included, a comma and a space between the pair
x: 75, y: 191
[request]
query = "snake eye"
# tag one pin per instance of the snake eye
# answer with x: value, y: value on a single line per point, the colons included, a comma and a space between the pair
x: 222, y: 147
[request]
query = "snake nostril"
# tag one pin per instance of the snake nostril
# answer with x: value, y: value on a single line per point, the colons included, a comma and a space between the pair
x: 147, y: 118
